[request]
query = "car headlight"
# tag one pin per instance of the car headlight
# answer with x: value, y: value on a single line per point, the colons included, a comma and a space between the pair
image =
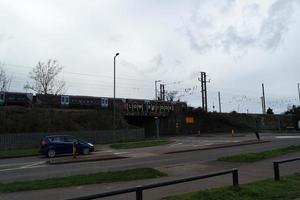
x: 90, y: 144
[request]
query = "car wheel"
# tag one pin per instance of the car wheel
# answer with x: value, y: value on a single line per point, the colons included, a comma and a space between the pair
x: 86, y: 151
x: 51, y: 153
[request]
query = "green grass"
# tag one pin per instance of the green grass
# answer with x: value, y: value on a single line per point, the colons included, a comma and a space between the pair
x: 286, y: 189
x: 13, y: 153
x: 253, y: 157
x: 140, y: 144
x: 100, y: 177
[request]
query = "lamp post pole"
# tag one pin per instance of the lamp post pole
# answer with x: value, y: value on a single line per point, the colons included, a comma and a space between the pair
x: 114, y: 114
x: 299, y: 91
x: 157, y: 81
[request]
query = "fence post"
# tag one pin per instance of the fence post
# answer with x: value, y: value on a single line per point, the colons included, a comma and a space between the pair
x: 276, y: 171
x: 235, y: 177
x: 139, y: 194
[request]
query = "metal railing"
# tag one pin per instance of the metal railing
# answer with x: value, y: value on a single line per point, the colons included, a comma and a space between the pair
x: 139, y: 189
x: 276, y: 166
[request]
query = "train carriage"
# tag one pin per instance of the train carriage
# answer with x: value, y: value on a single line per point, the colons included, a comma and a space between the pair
x: 129, y: 107
x: 16, y: 99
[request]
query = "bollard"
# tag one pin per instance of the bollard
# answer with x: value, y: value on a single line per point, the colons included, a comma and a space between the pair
x: 276, y: 171
x: 139, y: 194
x: 235, y: 178
x: 74, y: 150
x: 232, y: 132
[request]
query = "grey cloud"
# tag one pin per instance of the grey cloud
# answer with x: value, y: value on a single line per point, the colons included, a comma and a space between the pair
x: 231, y: 39
x: 196, y: 44
x: 115, y: 38
x: 227, y: 5
x: 132, y: 67
x: 271, y: 30
x: 155, y: 64
x: 276, y: 24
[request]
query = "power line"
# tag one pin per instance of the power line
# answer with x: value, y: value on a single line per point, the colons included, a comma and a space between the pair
x: 77, y: 73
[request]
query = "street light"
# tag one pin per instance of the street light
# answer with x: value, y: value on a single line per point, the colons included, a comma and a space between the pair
x: 299, y: 91
x: 114, y: 117
x: 157, y: 81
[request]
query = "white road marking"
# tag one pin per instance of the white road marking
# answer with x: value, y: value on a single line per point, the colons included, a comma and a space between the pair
x: 118, y: 153
x: 288, y: 137
x: 20, y: 168
x: 179, y: 143
x: 33, y: 164
x: 16, y: 164
x: 27, y: 166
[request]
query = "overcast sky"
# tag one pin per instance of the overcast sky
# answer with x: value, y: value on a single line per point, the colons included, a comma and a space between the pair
x: 239, y: 44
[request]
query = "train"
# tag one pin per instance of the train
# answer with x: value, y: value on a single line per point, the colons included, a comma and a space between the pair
x: 129, y: 107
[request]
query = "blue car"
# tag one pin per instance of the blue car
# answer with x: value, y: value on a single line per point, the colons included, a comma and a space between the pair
x: 63, y: 144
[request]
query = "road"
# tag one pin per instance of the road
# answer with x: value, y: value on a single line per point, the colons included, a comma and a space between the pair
x: 30, y: 168
x: 176, y: 165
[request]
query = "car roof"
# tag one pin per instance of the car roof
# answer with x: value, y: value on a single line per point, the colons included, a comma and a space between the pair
x: 49, y: 136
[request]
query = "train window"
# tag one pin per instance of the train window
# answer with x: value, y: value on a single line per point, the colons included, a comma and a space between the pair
x: 64, y: 100
x: 104, y: 102
x: 2, y: 97
x: 166, y: 108
x: 130, y: 107
x: 140, y: 107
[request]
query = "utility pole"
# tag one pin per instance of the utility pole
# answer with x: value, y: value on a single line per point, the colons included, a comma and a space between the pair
x: 262, y: 104
x: 203, y: 91
x: 114, y: 117
x: 219, y: 97
x: 299, y: 91
x: 162, y: 92
x: 263, y: 99
x: 157, y: 81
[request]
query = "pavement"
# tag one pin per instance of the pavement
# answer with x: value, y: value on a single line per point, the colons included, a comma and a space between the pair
x: 176, y: 165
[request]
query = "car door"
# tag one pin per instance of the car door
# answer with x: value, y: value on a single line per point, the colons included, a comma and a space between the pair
x: 57, y: 143
x: 68, y: 143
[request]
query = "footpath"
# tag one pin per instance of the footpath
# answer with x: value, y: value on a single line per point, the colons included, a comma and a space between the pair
x: 247, y: 173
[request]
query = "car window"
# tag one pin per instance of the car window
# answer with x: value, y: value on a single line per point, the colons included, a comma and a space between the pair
x: 55, y: 139
x: 70, y: 139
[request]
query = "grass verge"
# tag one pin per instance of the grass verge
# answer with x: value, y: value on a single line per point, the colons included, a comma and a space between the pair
x: 100, y: 177
x: 286, y: 189
x: 14, y: 153
x: 140, y: 144
x: 253, y: 157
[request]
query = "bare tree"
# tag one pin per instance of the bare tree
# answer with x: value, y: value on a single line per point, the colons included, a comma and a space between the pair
x: 45, y: 78
x: 171, y: 95
x: 5, y: 80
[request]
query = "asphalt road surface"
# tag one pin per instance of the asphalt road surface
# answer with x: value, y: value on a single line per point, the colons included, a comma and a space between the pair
x: 30, y: 168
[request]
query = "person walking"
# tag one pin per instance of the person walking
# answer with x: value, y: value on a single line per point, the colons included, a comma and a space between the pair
x: 256, y: 129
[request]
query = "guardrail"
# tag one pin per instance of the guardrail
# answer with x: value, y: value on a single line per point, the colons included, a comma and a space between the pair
x: 276, y: 166
x: 139, y: 189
